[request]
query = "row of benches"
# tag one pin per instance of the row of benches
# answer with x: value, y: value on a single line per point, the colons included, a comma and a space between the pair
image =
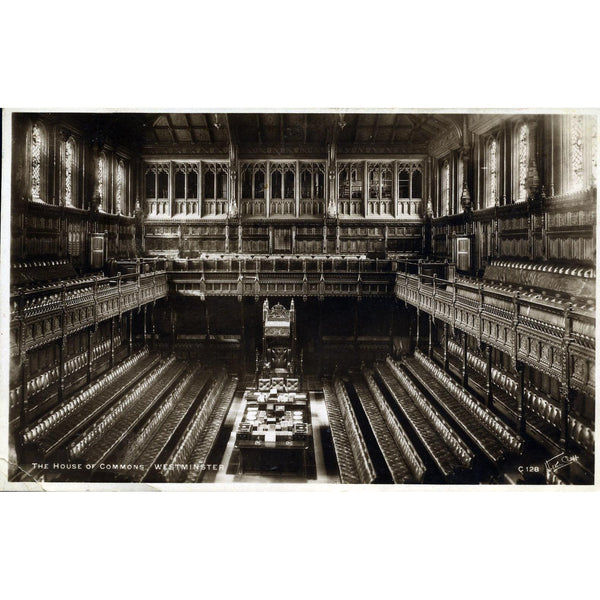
x: 173, y: 470
x: 398, y: 466
x: 98, y: 439
x: 364, y: 465
x: 160, y: 435
x: 401, y: 439
x: 449, y: 453
x: 45, y: 427
x: 487, y: 430
x: 341, y: 441
x: 580, y: 433
x: 199, y: 456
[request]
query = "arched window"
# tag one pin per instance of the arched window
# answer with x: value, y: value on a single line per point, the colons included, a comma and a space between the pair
x: 120, y: 187
x: 101, y: 180
x: 576, y: 159
x: 209, y: 184
x: 492, y: 172
x: 523, y: 161
x: 276, y: 184
x: 289, y: 181
x: 445, y: 188
x: 36, y: 162
x: 69, y: 171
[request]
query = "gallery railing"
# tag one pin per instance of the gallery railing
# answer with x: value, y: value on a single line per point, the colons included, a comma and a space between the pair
x: 550, y: 333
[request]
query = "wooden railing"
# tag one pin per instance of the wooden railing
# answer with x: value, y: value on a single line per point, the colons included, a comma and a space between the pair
x: 42, y: 316
x: 547, y: 333
x: 581, y: 434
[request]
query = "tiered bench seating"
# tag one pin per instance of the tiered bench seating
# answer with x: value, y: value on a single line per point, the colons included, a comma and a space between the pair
x: 153, y: 440
x: 401, y: 439
x: 341, y: 441
x: 448, y: 451
x: 211, y: 431
x: 398, y: 467
x: 493, y: 437
x: 58, y: 426
x: 172, y: 469
x: 99, y: 440
x: 364, y: 465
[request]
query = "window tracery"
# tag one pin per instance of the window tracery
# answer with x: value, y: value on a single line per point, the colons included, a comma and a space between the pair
x: 492, y: 169
x: 523, y: 161
x: 577, y: 156
x: 445, y: 188
x: 36, y: 162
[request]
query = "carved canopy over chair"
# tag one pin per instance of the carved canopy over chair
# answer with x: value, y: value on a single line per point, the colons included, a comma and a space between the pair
x: 279, y: 340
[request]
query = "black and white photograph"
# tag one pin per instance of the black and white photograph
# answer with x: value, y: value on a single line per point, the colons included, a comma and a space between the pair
x: 322, y: 275
x: 302, y: 297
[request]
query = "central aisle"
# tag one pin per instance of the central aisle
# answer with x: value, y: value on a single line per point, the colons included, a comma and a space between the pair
x: 324, y: 454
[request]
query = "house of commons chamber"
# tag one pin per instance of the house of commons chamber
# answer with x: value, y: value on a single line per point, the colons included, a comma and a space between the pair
x: 318, y: 297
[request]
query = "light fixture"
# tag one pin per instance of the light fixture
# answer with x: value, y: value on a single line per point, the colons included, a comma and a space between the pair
x: 217, y: 124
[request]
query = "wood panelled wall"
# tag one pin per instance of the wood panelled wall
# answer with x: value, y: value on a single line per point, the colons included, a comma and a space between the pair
x: 328, y: 236
x: 557, y: 219
x: 58, y: 224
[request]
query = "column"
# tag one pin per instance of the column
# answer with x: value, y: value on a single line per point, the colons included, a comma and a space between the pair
x: 391, y: 330
x: 394, y: 193
x: 418, y: 333
x: 446, y: 347
x: 355, y: 331
x: 268, y: 190
x: 61, y: 369
x: 565, y: 406
x: 297, y: 189
x: 207, y: 316
x: 171, y: 188
x: 365, y: 189
x: 24, y: 395
x: 200, y: 188
x: 320, y: 336
x: 90, y: 355
x: 521, y: 420
x: 112, y: 342
x: 152, y: 329
x: 173, y: 319
x: 429, y: 341
x: 145, y: 312
x: 130, y: 332
x: 488, y: 379
x: 243, y: 337
x: 465, y: 366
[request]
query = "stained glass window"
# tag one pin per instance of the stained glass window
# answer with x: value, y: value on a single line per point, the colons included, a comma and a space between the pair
x: 445, y: 188
x: 493, y: 172
x: 101, y: 179
x: 69, y: 158
x: 523, y: 161
x: 577, y: 172
x: 36, y: 162
x: 120, y: 184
